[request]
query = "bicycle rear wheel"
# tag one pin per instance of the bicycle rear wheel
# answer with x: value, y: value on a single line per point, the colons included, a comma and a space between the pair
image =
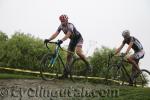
x: 79, y: 70
x: 49, y: 71
x: 143, y: 78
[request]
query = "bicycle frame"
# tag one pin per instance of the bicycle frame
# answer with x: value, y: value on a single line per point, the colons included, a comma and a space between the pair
x: 56, y: 54
x: 124, y: 69
x: 120, y: 65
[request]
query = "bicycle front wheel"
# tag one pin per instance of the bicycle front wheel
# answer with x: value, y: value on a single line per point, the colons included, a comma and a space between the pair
x: 50, y: 69
x: 115, y: 75
x: 143, y: 78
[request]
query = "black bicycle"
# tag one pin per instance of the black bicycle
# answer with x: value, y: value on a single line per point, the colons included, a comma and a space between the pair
x: 52, y: 65
x: 118, y: 73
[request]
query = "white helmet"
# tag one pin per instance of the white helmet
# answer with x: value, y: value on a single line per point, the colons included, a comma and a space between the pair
x: 126, y: 33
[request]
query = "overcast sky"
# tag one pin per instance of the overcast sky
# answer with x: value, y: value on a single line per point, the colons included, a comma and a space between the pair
x: 99, y: 21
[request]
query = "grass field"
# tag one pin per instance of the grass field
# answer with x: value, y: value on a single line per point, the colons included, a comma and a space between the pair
x: 132, y: 93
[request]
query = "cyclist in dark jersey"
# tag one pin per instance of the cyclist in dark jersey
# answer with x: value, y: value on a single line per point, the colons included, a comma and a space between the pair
x: 138, y: 52
x: 76, y: 42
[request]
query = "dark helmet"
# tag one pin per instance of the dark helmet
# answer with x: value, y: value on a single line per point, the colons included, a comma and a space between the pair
x: 126, y: 33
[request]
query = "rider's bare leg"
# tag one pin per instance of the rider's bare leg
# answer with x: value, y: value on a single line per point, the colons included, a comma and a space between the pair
x: 133, y: 73
x: 67, y: 66
x: 134, y: 63
x: 79, y: 52
x: 135, y: 68
x: 69, y: 61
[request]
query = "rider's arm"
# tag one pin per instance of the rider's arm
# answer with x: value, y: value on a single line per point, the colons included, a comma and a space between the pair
x: 119, y: 49
x: 56, y: 33
x: 53, y: 36
x: 66, y: 36
x: 129, y: 47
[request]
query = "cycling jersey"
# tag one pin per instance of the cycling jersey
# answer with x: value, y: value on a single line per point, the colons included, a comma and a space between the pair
x: 75, y: 38
x: 70, y: 28
x: 137, y: 46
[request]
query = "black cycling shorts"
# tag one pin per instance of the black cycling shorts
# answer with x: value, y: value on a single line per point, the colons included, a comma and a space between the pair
x: 74, y: 43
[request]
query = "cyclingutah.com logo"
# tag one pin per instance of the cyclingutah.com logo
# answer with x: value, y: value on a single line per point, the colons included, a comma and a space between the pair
x: 47, y: 92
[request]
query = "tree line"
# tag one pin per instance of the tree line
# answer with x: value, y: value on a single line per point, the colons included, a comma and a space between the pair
x: 24, y: 51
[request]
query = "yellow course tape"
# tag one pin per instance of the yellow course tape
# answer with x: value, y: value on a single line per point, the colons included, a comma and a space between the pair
x: 20, y: 70
x: 37, y: 72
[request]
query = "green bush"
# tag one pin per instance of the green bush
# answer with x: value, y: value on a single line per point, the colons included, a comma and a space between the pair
x: 23, y: 51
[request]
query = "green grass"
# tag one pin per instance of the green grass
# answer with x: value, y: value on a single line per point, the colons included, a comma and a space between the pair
x: 16, y: 76
x: 132, y: 93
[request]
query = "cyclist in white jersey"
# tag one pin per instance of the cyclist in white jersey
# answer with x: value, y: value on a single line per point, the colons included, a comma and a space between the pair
x: 138, y: 51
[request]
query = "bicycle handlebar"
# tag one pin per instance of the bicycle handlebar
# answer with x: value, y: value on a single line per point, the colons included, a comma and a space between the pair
x: 59, y: 46
x: 120, y: 56
x: 113, y: 55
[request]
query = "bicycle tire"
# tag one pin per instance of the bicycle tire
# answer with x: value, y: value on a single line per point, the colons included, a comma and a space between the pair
x: 49, y: 71
x: 115, y: 75
x: 79, y: 70
x: 143, y: 78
